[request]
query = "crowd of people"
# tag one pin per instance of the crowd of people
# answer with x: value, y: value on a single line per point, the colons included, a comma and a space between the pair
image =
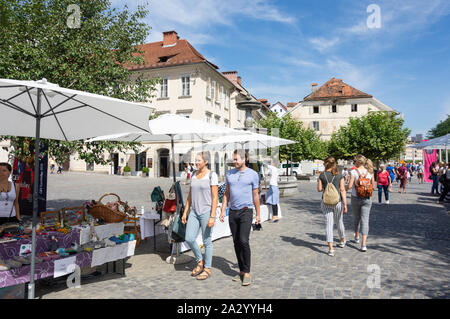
x: 242, y: 197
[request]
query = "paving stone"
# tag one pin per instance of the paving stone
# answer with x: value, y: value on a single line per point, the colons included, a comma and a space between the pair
x: 288, y: 259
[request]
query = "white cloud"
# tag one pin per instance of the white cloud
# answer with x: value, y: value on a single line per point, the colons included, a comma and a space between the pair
x: 323, y: 44
x: 399, y: 16
x: 302, y: 63
x: 360, y: 77
x: 194, y: 19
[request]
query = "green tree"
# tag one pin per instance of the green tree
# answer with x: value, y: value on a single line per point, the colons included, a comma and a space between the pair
x: 379, y: 136
x: 443, y: 128
x: 308, y: 144
x: 40, y: 40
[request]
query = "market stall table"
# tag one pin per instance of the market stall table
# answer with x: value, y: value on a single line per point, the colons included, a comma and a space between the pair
x: 146, y: 221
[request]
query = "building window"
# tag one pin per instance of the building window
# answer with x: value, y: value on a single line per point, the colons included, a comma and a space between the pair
x: 185, y: 86
x: 228, y: 101
x: 208, y: 88
x: 208, y: 118
x: 315, y: 109
x: 227, y: 123
x: 163, y: 88
x: 334, y: 108
x: 354, y: 107
x: 217, y: 120
x: 213, y: 91
x: 316, y: 126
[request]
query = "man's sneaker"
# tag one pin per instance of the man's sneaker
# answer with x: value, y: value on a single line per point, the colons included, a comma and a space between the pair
x: 356, y: 240
x: 238, y: 277
x: 363, y: 248
x: 331, y: 253
x: 246, y: 280
x: 342, y: 245
x: 387, y: 202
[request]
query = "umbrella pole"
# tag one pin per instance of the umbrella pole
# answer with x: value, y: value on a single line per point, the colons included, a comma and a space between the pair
x: 35, y: 195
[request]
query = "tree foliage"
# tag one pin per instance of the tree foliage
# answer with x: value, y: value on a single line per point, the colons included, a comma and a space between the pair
x: 308, y: 144
x: 38, y: 41
x: 443, y: 128
x: 378, y: 136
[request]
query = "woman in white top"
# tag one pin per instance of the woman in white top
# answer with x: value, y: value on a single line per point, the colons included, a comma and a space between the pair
x: 9, y: 204
x: 273, y: 194
x: 360, y: 205
x: 202, y: 204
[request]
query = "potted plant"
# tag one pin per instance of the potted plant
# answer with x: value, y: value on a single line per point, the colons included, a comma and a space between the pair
x: 145, y: 171
x: 127, y: 171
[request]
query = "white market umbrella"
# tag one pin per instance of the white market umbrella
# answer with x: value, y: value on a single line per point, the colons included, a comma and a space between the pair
x: 171, y: 128
x: 250, y: 141
x: 40, y: 109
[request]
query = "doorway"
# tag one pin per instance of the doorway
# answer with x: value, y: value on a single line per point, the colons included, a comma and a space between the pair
x: 115, y: 162
x: 163, y: 162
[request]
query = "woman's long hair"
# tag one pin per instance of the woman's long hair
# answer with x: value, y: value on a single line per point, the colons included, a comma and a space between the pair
x: 330, y: 162
x: 369, y: 166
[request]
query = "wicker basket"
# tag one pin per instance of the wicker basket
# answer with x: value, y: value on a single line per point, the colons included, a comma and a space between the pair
x: 107, y: 214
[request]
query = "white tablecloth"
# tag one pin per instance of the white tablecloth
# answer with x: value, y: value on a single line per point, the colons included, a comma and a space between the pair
x: 102, y: 231
x: 146, y: 224
x: 221, y: 230
x: 108, y: 254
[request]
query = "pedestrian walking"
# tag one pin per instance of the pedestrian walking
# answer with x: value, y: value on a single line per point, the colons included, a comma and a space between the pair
x: 273, y: 194
x: 403, y: 177
x: 441, y: 171
x: 362, y: 184
x: 200, y: 214
x: 445, y: 180
x: 420, y: 173
x: 434, y: 171
x: 242, y: 195
x: 345, y: 175
x: 383, y: 184
x: 390, y: 169
x: 334, y: 202
x: 52, y: 165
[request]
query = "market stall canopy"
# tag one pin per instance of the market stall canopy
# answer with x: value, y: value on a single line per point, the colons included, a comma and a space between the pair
x: 65, y: 114
x: 442, y: 142
x: 250, y: 141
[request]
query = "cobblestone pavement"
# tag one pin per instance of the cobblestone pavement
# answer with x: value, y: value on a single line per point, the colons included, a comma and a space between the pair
x: 408, y: 243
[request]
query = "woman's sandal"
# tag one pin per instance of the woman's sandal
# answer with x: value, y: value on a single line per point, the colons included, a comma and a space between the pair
x: 205, y: 274
x: 198, y: 269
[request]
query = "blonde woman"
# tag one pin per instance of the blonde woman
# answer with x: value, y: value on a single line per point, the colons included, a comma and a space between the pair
x: 333, y: 214
x: 202, y: 198
x: 360, y: 205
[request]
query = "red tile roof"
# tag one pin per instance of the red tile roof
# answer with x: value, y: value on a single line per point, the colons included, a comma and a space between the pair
x: 158, y: 56
x: 291, y: 104
x: 336, y: 89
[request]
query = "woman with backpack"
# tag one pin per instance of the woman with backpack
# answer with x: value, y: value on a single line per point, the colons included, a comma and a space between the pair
x: 403, y: 177
x: 334, y: 201
x: 362, y: 184
x: 202, y: 204
x: 383, y: 183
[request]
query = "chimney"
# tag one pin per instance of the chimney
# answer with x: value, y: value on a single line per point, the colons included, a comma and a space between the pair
x: 239, y: 80
x: 314, y: 87
x: 170, y: 38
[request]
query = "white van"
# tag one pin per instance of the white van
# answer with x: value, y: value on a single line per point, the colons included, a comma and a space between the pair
x: 296, y: 169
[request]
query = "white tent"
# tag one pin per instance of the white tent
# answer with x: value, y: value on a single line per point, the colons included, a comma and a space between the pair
x: 40, y: 109
x: 441, y: 143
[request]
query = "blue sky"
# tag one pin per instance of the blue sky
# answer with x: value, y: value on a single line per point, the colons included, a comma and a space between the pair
x: 280, y: 47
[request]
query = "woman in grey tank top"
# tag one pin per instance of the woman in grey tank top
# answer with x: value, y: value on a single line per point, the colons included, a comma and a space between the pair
x: 202, y: 204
